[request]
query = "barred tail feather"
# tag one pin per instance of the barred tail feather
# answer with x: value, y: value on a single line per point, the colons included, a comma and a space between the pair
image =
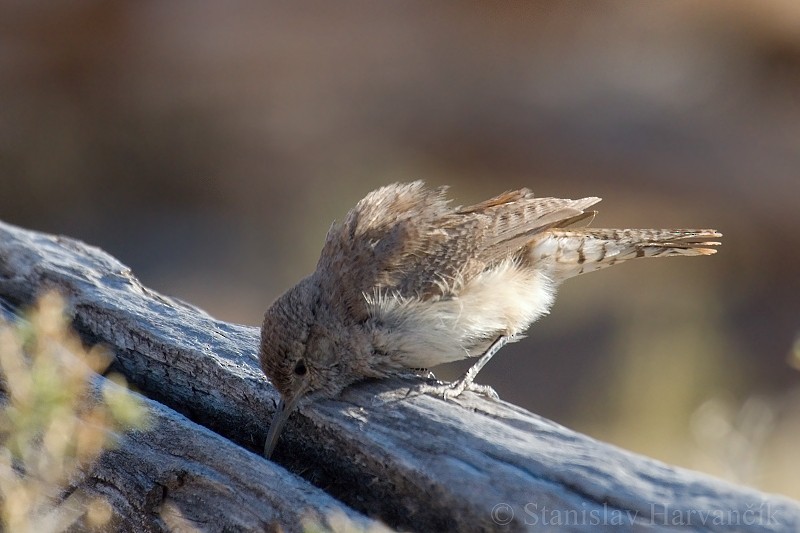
x: 568, y: 253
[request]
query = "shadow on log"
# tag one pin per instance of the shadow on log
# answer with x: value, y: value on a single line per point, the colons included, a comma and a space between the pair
x: 381, y: 450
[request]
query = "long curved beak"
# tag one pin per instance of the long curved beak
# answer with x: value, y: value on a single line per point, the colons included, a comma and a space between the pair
x: 278, y: 421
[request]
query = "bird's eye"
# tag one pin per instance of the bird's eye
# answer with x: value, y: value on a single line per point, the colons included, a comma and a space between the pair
x: 300, y: 368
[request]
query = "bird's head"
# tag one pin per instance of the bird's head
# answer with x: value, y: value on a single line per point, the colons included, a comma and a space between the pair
x: 305, y: 351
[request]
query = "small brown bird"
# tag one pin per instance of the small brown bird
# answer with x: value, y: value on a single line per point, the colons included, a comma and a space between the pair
x: 408, y: 282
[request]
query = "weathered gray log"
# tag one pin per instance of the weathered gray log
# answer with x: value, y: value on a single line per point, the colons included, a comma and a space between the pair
x: 177, y: 475
x: 411, y: 460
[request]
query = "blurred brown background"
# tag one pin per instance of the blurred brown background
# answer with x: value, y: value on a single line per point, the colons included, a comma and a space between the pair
x: 210, y: 145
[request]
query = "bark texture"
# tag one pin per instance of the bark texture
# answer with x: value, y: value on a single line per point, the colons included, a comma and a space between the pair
x: 383, y: 450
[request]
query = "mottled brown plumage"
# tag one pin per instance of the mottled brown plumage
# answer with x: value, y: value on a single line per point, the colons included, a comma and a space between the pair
x: 407, y: 282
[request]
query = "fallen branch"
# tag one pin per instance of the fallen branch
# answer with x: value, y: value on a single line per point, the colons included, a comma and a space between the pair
x: 410, y: 460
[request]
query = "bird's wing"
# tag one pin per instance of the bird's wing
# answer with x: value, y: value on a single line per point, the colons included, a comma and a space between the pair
x: 373, y: 248
x: 509, y: 221
x: 406, y: 240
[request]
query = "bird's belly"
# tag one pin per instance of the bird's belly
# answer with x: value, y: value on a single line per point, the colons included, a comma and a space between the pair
x: 417, y: 333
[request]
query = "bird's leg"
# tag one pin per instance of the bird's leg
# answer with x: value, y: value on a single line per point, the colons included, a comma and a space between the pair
x: 466, y: 382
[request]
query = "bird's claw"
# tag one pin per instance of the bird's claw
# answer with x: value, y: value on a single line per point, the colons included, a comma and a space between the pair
x: 449, y: 391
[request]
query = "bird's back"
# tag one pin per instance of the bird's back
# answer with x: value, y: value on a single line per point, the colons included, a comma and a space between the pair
x: 404, y: 239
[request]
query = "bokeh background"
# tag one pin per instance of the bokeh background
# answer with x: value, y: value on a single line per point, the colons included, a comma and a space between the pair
x: 210, y: 145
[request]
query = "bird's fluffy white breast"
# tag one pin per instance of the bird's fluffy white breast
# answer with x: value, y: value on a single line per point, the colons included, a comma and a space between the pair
x: 422, y: 334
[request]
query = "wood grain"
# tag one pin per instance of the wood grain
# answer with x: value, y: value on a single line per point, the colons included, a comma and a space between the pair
x: 407, y: 459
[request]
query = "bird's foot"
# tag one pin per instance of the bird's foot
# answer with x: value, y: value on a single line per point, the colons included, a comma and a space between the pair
x: 448, y: 391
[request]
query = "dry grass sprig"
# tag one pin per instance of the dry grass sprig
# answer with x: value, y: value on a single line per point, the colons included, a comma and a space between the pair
x: 54, y: 422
